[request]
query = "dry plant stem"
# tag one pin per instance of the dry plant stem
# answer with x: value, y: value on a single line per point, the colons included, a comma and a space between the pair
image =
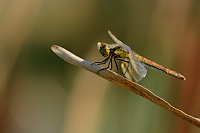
x: 123, y: 82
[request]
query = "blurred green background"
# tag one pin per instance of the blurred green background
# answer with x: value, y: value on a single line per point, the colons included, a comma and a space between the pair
x: 40, y: 93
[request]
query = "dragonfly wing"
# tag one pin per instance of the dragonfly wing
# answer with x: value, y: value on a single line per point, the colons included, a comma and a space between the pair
x: 127, y: 71
x: 137, y: 69
x: 117, y: 41
x: 134, y: 70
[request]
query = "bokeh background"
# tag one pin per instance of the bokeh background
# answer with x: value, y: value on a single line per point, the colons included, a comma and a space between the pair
x: 40, y: 93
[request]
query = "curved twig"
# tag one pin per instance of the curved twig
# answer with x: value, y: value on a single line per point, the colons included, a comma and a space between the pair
x: 123, y: 82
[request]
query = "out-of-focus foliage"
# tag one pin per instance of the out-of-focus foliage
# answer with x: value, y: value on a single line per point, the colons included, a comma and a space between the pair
x: 40, y: 93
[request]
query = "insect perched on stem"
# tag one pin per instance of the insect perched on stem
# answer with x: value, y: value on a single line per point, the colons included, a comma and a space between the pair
x: 132, y: 64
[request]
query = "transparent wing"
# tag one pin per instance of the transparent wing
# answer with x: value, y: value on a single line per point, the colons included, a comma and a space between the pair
x: 117, y: 41
x: 126, y: 69
x: 136, y: 70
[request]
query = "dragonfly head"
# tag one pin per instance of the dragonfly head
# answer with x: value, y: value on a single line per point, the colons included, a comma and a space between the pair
x: 103, y: 49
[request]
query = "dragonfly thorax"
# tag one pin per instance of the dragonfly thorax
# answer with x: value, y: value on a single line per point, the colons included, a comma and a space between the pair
x: 113, y: 50
x: 121, y: 53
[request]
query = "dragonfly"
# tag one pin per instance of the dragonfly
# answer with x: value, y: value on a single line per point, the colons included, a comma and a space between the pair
x: 132, y: 64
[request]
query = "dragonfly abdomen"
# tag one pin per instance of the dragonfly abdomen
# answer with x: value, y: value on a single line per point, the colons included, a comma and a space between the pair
x: 152, y: 64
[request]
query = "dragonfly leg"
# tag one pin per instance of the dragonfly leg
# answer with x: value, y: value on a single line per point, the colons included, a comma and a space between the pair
x: 110, y: 63
x: 116, y: 65
x: 122, y: 60
x: 127, y: 61
x: 126, y: 69
x: 102, y: 62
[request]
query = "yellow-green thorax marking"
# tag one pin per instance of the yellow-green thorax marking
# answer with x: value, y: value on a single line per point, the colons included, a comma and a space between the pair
x: 112, y: 50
